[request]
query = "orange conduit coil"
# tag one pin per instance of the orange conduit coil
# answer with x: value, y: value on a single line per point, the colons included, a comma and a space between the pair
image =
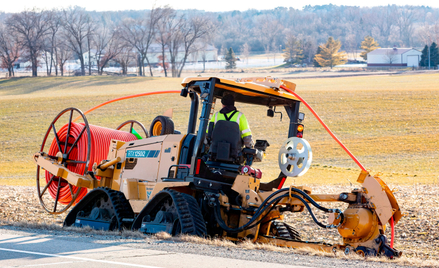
x: 100, y: 142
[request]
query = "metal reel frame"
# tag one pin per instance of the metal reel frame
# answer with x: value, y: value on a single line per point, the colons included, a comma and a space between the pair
x: 290, y: 157
x: 132, y: 122
x: 64, y: 160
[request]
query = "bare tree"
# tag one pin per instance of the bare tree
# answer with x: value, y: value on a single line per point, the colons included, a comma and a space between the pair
x: 139, y: 34
x: 49, y: 48
x: 32, y: 27
x: 268, y: 29
x: 91, y: 31
x: 390, y: 56
x: 425, y: 33
x: 407, y: 16
x: 351, y: 45
x: 108, y: 45
x: 167, y: 28
x: 182, y: 37
x: 309, y: 47
x: 384, y: 18
x: 125, y: 57
x: 63, y: 54
x: 9, y: 49
x: 202, y: 46
x: 77, y: 26
x: 245, y: 51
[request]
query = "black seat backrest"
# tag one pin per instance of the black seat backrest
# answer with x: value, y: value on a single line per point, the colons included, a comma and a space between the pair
x: 226, y: 142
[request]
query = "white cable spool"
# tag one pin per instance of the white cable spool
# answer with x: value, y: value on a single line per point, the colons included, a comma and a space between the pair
x: 295, y: 157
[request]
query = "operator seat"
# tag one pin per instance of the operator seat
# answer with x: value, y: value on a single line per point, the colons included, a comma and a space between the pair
x: 226, y: 143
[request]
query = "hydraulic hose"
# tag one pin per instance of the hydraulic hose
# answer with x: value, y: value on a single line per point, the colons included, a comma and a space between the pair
x: 270, y: 203
x: 392, y: 223
x: 100, y: 142
x: 326, y: 127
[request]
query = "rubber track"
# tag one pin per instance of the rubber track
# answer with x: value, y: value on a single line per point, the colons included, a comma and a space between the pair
x: 188, y: 211
x: 286, y: 231
x: 121, y: 206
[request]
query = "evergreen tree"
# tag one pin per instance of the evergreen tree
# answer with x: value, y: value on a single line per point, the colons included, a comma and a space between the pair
x: 434, y: 55
x: 230, y: 59
x: 316, y: 64
x: 293, y: 52
x: 369, y: 44
x: 424, y: 57
x: 330, y: 55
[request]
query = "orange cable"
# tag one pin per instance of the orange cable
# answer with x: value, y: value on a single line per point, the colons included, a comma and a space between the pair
x: 392, y: 235
x: 326, y: 127
x: 128, y: 97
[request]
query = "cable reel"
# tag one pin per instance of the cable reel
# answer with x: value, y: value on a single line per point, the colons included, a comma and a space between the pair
x: 68, y: 142
x: 295, y: 157
x: 75, y: 146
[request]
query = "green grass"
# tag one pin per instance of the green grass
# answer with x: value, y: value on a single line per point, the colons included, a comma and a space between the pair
x: 389, y: 122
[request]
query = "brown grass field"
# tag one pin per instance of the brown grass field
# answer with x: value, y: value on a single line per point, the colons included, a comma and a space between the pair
x: 390, y: 122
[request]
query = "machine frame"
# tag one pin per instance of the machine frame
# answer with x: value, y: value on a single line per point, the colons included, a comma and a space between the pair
x: 235, y: 204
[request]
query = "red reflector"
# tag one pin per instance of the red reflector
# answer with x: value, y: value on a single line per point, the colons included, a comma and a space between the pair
x: 198, y: 167
x: 282, y: 183
x: 299, y: 135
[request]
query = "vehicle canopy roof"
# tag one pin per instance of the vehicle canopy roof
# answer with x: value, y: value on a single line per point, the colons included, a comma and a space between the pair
x: 254, y: 90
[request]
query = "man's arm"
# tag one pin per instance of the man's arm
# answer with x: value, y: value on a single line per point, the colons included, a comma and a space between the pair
x: 246, y: 133
x: 248, y: 141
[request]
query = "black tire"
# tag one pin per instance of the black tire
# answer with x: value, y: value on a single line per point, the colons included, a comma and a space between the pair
x: 161, y: 125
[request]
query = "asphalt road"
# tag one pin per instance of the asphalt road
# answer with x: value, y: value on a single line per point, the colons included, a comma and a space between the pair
x: 59, y: 248
x: 28, y: 250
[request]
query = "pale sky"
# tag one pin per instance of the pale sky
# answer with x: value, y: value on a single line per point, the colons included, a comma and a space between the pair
x: 208, y: 5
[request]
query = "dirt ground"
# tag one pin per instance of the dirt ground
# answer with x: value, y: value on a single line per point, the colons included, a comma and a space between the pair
x: 417, y: 234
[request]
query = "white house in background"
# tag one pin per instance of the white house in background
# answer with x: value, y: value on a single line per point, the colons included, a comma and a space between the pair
x: 92, y: 57
x: 409, y: 57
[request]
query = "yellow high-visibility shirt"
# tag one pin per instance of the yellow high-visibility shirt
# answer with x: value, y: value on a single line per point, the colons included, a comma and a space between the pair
x: 238, y: 117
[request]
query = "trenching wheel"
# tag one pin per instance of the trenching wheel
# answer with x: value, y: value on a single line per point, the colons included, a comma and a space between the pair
x: 295, y: 157
x: 70, y: 146
x: 131, y: 123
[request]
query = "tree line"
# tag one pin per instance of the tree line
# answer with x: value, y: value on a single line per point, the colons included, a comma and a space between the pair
x: 128, y: 36
x: 268, y: 30
x: 55, y: 36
